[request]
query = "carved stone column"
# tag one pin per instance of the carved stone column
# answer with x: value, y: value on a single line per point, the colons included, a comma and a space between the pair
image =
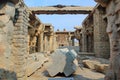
x: 45, y: 44
x: 73, y: 42
x: 41, y: 41
x: 51, y: 42
x: 85, y: 43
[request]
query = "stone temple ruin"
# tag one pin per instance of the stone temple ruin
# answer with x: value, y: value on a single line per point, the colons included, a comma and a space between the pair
x: 26, y: 43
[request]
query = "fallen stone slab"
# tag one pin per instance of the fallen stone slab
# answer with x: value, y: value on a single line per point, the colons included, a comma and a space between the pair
x: 90, y: 64
x: 101, y: 68
x: 36, y: 63
x: 98, y: 64
x: 63, y: 62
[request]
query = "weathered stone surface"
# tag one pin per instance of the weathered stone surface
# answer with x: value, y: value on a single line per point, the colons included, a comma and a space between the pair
x: 112, y: 11
x: 100, y: 65
x: 58, y: 63
x: 90, y: 64
x: 6, y: 31
x: 36, y: 61
x: 63, y: 62
x: 101, y: 68
x: 70, y: 67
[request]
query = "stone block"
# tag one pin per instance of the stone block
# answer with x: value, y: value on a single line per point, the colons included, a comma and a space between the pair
x: 101, y: 68
x: 62, y: 62
x: 90, y: 64
x: 58, y: 63
x: 99, y: 64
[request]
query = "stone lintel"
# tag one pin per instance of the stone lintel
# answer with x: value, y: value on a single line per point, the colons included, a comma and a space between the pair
x: 61, y: 10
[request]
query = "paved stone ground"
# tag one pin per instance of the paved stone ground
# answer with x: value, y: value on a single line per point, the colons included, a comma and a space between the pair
x: 80, y: 74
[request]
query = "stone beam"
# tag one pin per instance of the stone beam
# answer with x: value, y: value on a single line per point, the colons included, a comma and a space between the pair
x: 59, y: 9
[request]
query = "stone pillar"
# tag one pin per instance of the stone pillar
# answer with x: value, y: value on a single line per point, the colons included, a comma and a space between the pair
x: 89, y: 43
x: 80, y: 45
x: 34, y: 40
x: 48, y: 42
x: 84, y: 40
x: 41, y: 41
x: 40, y: 38
x: 51, y: 42
x: 55, y: 42
x: 28, y: 50
x: 101, y: 41
x: 45, y: 44
x: 73, y: 42
x: 69, y: 39
x: 20, y: 43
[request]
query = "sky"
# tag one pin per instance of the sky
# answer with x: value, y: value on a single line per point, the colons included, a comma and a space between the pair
x: 60, y: 22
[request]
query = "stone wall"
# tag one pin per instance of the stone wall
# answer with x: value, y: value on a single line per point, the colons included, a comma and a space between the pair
x: 101, y: 41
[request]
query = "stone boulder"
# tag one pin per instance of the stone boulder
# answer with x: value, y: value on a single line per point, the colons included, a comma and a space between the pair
x: 97, y: 64
x: 101, y: 68
x: 90, y: 64
x: 63, y: 61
